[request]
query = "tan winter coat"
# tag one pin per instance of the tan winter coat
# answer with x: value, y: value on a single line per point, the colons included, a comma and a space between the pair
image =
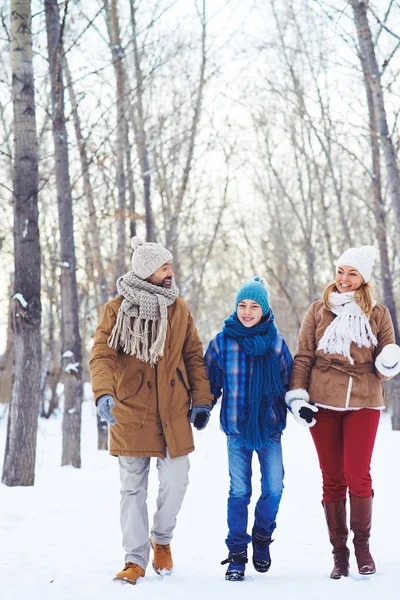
x: 151, y: 403
x: 330, y: 379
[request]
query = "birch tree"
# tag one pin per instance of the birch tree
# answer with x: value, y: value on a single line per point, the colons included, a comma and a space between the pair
x: 19, y: 459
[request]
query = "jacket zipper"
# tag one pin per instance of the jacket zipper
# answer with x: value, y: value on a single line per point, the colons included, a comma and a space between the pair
x: 158, y: 408
x: 349, y: 387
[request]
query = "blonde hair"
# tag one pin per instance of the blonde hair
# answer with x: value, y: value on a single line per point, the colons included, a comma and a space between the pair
x: 363, y: 297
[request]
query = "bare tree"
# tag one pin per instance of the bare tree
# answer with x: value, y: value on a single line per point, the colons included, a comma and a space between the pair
x: 71, y: 342
x: 112, y: 21
x: 380, y: 131
x: 138, y: 121
x: 19, y: 459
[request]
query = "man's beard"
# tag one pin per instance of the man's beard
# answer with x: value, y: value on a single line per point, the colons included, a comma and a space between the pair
x: 166, y: 282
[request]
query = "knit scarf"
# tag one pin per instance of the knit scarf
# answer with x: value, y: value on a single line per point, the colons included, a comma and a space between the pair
x: 350, y: 325
x: 265, y: 383
x: 142, y: 318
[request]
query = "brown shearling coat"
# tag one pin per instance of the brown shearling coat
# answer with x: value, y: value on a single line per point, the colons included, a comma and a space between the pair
x: 151, y: 403
x: 327, y: 377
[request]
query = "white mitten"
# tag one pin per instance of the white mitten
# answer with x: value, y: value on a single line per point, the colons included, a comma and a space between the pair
x: 299, y: 403
x: 303, y: 412
x: 388, y: 361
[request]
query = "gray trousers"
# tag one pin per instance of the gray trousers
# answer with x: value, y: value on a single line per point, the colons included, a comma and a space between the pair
x: 173, y: 475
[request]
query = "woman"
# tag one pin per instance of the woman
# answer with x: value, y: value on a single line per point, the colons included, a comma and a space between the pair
x: 345, y: 349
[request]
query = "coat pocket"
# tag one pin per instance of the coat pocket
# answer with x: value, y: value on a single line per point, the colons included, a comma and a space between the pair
x: 183, y: 377
x: 131, y: 387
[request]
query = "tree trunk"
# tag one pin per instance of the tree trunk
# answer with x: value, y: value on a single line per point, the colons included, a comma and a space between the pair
x: 19, y: 459
x: 87, y: 186
x: 130, y: 176
x: 95, y: 246
x: 381, y: 231
x: 140, y: 131
x: 372, y: 72
x: 71, y: 342
x: 112, y: 23
x: 172, y: 232
x: 372, y: 76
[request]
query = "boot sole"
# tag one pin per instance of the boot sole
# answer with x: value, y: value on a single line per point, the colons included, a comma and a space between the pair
x: 367, y: 572
x: 239, y: 578
x: 263, y: 569
x: 126, y: 580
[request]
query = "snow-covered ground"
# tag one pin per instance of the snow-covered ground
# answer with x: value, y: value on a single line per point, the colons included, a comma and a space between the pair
x: 61, y: 540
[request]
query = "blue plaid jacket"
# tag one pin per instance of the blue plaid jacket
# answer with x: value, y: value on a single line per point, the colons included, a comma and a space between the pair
x: 229, y: 370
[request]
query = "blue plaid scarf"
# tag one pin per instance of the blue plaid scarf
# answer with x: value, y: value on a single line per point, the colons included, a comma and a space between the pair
x: 265, y: 383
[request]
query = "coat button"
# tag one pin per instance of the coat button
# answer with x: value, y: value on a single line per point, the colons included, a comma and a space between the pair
x: 172, y: 382
x: 149, y: 384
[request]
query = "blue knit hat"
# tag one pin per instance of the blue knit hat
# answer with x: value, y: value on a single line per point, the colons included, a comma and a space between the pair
x: 254, y: 290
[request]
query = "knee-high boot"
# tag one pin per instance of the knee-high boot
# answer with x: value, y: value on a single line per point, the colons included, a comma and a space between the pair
x: 360, y: 524
x: 335, y: 514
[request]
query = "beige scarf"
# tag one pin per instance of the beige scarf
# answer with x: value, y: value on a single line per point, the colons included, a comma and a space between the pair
x: 142, y: 319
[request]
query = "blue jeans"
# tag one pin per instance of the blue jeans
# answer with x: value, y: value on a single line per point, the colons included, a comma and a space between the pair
x: 271, y: 466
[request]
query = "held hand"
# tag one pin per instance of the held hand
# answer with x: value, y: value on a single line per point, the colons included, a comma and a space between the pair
x: 388, y: 361
x: 199, y: 416
x: 303, y: 412
x: 104, y: 405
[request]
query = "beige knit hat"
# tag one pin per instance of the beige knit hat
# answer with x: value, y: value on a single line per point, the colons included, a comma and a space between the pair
x: 362, y: 259
x: 148, y: 257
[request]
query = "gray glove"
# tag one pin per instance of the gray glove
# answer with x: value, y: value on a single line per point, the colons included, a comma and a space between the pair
x: 199, y: 416
x: 104, y: 405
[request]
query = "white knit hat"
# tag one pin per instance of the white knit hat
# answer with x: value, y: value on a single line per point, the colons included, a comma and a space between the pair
x: 148, y: 257
x: 362, y: 259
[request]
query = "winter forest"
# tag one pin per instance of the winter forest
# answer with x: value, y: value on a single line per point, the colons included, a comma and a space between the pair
x: 250, y: 137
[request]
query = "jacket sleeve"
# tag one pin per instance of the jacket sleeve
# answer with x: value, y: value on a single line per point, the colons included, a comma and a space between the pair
x: 103, y: 358
x: 305, y: 352
x: 196, y: 371
x: 214, y: 372
x: 385, y: 336
x: 286, y: 365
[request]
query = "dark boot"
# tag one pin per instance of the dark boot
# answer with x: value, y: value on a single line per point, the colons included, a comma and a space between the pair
x: 360, y: 524
x: 261, y: 554
x: 335, y: 514
x: 237, y: 565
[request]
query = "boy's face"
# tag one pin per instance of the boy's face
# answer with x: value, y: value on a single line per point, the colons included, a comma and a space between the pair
x: 249, y: 313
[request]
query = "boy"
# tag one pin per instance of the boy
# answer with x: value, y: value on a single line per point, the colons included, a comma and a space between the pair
x: 250, y: 364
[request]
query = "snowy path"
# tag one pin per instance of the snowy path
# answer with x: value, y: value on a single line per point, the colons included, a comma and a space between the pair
x: 60, y: 539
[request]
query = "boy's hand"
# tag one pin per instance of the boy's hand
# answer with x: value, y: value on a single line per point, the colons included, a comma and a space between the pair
x: 199, y: 416
x: 303, y: 412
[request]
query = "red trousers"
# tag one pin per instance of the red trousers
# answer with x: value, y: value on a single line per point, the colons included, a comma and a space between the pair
x: 344, y: 441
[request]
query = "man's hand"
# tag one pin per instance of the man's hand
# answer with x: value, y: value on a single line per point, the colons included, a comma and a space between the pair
x: 104, y: 405
x: 199, y: 416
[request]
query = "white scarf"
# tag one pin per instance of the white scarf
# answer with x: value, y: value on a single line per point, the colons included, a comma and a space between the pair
x: 350, y: 325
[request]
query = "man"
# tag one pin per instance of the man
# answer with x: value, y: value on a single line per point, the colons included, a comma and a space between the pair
x: 147, y: 368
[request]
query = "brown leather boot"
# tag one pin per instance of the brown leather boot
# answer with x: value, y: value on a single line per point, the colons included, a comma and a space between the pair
x: 162, y: 561
x: 130, y: 573
x: 360, y: 524
x: 335, y: 514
